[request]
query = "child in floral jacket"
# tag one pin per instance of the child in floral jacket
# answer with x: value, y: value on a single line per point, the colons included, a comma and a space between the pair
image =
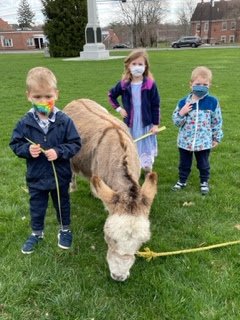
x: 199, y: 119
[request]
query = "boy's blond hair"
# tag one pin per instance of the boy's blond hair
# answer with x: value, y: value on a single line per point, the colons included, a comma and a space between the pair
x: 135, y: 54
x: 41, y: 77
x: 203, y: 72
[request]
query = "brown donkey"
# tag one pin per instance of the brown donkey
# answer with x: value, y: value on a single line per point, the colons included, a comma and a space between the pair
x: 109, y: 159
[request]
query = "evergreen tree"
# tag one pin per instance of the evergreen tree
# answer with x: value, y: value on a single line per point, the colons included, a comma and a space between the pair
x: 25, y: 14
x: 65, y: 23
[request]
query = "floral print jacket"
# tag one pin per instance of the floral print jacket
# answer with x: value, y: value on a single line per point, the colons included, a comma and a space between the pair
x: 201, y: 126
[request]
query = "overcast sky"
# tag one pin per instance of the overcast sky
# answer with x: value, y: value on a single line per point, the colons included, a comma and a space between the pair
x: 107, y: 10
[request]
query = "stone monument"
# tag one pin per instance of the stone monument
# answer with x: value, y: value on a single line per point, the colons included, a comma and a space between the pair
x: 94, y: 49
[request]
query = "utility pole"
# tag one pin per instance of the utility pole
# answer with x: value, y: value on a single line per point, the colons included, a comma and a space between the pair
x: 210, y: 22
x: 201, y: 9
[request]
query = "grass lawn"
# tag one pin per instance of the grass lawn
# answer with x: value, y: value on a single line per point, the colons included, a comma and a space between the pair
x: 76, y: 285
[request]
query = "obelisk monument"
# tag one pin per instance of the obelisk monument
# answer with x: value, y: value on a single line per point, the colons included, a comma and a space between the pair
x: 94, y: 49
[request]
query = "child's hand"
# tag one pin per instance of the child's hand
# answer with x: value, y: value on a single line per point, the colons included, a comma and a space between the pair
x: 154, y: 129
x: 123, y: 112
x: 186, y: 109
x: 35, y: 150
x: 51, y: 154
x: 214, y: 144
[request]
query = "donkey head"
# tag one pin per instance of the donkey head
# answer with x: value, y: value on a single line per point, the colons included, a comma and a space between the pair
x: 127, y: 226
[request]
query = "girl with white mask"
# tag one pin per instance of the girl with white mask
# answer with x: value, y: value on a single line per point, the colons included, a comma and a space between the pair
x: 140, y: 105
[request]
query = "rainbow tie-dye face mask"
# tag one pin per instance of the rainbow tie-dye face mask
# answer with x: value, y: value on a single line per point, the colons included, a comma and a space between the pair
x: 44, y: 108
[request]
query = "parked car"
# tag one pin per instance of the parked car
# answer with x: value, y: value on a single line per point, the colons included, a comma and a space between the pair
x: 188, y: 41
x: 120, y: 46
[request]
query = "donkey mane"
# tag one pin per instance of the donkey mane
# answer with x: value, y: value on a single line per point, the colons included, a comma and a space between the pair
x: 114, y: 125
x: 107, y: 130
x: 133, y: 191
x: 134, y: 188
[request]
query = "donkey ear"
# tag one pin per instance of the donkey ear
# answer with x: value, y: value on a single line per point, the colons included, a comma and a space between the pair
x: 105, y: 193
x: 149, y: 188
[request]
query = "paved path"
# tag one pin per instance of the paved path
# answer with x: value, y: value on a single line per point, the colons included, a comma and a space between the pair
x: 204, y: 46
x: 21, y: 51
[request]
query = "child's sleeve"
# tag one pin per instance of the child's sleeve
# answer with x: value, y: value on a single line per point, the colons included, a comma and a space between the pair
x: 113, y: 94
x: 217, y: 133
x: 18, y: 143
x: 178, y: 120
x: 155, y: 104
x: 72, y: 143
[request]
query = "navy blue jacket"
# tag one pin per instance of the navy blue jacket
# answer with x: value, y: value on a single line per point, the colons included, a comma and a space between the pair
x: 149, y: 98
x: 62, y: 136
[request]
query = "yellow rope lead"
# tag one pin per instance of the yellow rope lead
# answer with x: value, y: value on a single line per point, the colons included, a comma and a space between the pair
x: 57, y: 184
x: 149, y: 255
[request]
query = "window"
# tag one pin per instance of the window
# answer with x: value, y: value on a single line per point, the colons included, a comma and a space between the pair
x: 233, y: 25
x: 198, y: 26
x: 30, y: 42
x: 7, y: 42
x: 206, y: 26
x: 223, y: 39
x: 232, y: 39
x: 224, y: 25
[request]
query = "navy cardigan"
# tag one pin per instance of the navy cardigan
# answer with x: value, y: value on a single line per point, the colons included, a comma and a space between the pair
x: 149, y: 97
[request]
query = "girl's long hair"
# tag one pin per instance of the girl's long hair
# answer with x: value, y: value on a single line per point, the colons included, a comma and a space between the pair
x: 135, y: 54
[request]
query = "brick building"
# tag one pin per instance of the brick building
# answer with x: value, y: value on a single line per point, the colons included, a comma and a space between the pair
x: 12, y: 39
x: 217, y: 21
x: 110, y: 39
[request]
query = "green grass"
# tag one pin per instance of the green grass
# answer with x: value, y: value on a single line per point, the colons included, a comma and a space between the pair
x: 56, y: 285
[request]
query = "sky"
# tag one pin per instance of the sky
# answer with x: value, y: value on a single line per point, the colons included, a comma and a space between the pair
x: 107, y: 10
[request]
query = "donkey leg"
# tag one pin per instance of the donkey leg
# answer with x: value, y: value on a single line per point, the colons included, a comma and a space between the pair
x: 73, y: 183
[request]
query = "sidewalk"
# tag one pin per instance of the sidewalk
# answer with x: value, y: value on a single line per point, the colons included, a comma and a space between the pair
x: 21, y: 51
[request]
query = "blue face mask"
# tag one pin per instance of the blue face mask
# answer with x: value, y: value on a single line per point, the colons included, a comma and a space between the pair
x: 199, y: 91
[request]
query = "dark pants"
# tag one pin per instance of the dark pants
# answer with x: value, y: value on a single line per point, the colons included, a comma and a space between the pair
x: 185, y: 164
x: 39, y: 204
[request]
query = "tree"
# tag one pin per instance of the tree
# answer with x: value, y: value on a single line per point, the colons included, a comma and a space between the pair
x: 143, y: 17
x: 25, y: 14
x: 65, y: 26
x: 234, y: 12
x: 184, y: 16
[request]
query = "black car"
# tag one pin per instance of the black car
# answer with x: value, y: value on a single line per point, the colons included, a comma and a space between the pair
x: 189, y: 41
x: 120, y: 46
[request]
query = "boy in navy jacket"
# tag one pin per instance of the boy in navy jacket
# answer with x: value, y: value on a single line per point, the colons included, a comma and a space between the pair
x: 53, y: 132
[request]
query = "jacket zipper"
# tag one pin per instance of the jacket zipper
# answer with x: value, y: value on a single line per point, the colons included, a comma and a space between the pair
x: 196, y: 125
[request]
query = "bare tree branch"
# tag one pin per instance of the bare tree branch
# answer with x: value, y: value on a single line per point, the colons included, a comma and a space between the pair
x: 143, y: 17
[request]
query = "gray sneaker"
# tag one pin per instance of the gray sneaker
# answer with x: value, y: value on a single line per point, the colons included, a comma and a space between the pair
x: 179, y: 185
x: 147, y: 169
x: 204, y: 188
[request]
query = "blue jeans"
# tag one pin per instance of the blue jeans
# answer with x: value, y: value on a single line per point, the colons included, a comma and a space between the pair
x: 185, y: 164
x: 39, y: 204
